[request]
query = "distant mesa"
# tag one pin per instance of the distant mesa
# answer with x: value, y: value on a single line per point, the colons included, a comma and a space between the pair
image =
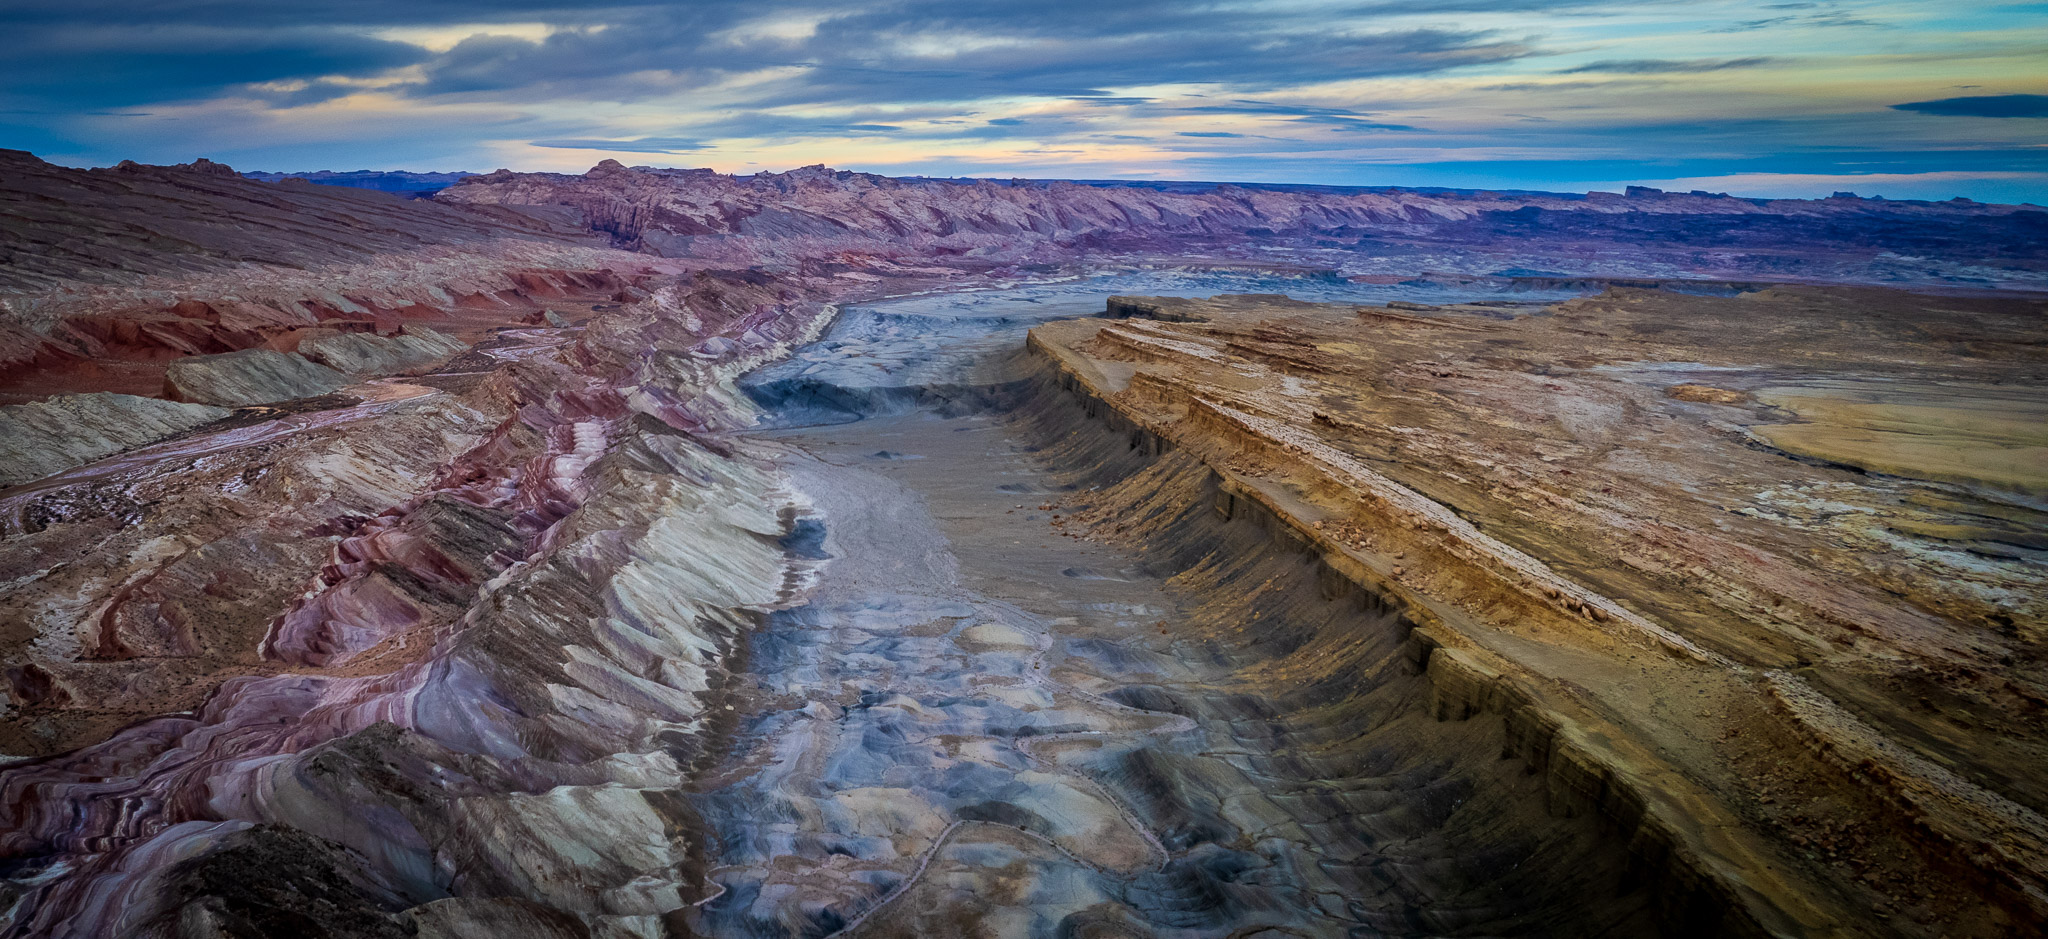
x: 201, y: 165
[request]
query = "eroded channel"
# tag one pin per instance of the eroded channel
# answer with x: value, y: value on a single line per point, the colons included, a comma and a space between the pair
x: 987, y: 718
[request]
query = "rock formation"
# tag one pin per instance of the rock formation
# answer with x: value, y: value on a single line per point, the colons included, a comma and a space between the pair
x: 1781, y: 605
x: 44, y: 437
x: 371, y: 354
x: 457, y: 526
x: 814, y: 211
x: 601, y: 556
x: 252, y: 376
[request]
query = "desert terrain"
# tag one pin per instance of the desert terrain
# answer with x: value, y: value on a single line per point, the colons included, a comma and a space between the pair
x: 655, y: 553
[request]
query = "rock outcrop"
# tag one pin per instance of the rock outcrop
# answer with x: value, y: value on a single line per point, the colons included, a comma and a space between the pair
x: 54, y: 222
x: 815, y: 212
x: 107, y: 275
x: 495, y: 659
x: 1581, y: 552
x: 370, y: 354
x: 252, y: 376
x: 41, y: 438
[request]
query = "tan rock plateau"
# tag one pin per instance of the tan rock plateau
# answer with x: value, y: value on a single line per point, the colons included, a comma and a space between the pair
x: 1775, y: 562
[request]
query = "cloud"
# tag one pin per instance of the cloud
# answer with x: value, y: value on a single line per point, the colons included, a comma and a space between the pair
x: 1552, y: 87
x: 110, y: 66
x: 300, y: 13
x: 95, y: 54
x: 1667, y: 66
x: 1247, y: 106
x: 1352, y: 124
x: 641, y: 145
x: 1338, y: 119
x: 1313, y: 90
x: 937, y: 50
x: 1982, y: 106
x: 1816, y: 20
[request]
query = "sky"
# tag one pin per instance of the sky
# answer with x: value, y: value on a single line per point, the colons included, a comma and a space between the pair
x: 1927, y: 99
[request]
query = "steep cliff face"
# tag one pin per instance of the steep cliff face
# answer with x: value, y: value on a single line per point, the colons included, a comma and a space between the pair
x: 1596, y: 552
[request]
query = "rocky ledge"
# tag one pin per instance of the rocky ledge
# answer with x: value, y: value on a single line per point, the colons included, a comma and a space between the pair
x: 1677, y: 622
x: 47, y: 436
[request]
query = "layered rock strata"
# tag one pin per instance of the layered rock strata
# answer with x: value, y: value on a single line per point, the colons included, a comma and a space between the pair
x: 106, y: 276
x: 368, y: 354
x: 976, y: 724
x: 41, y: 438
x: 855, y: 219
x: 324, y: 361
x: 252, y: 376
x: 204, y: 216
x: 503, y: 656
x: 499, y: 628
x: 1740, y: 716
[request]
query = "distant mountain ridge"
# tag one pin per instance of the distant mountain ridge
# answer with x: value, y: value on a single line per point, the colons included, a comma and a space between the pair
x: 392, y: 181
x: 407, y: 181
x: 815, y: 212
x: 61, y: 225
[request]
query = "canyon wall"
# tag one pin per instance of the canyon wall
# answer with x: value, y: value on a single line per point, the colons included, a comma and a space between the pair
x: 1739, y: 722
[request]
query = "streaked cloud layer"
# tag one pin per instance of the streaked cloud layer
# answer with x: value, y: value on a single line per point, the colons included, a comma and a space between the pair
x: 1896, y: 97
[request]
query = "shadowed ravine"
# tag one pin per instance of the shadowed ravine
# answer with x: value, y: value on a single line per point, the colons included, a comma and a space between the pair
x: 977, y: 722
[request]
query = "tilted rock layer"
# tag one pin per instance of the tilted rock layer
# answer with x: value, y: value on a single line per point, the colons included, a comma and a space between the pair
x: 1839, y: 672
x: 41, y: 438
x: 252, y: 376
x: 107, y: 275
x: 515, y: 658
